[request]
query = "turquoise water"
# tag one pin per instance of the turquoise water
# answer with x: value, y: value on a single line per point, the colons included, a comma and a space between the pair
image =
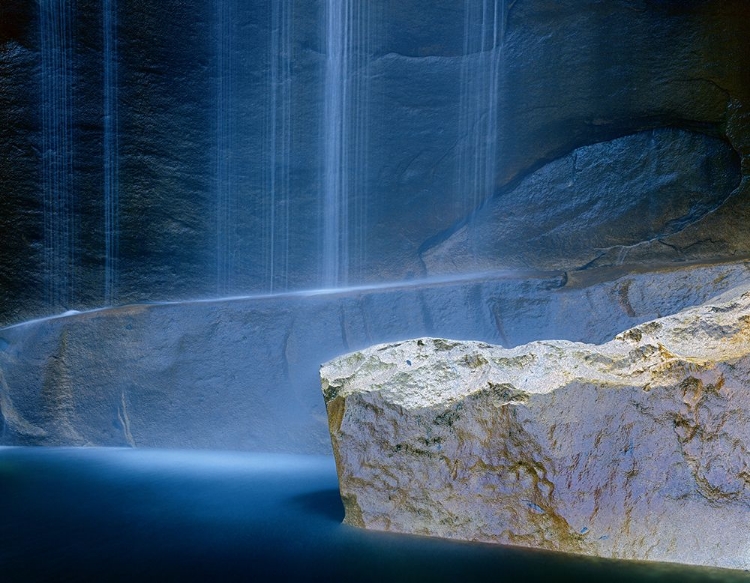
x: 151, y: 515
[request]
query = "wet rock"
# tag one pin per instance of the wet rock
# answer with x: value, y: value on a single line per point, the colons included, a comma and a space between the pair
x: 569, y: 74
x: 593, y: 206
x: 637, y: 448
x: 243, y: 373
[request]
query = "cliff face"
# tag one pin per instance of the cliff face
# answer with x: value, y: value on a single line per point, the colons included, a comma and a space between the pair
x: 173, y: 150
x: 636, y: 448
x: 243, y: 373
x: 610, y: 203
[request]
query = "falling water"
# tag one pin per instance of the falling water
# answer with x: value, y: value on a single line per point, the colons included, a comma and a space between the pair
x: 224, y: 151
x: 484, y: 31
x: 56, y: 18
x: 345, y: 134
x: 334, y: 199
x: 279, y: 143
x: 360, y: 107
x: 111, y: 159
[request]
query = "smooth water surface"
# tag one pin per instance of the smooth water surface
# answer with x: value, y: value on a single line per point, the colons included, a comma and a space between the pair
x: 152, y: 515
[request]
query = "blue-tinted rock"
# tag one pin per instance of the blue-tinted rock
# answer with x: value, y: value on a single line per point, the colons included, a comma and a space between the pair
x: 242, y: 374
x: 595, y: 205
x: 195, y: 100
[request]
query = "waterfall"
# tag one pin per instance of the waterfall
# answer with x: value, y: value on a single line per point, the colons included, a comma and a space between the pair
x: 55, y: 20
x: 225, y: 196
x: 484, y: 31
x: 360, y: 107
x: 334, y: 199
x: 345, y: 139
x: 279, y: 143
x: 111, y: 157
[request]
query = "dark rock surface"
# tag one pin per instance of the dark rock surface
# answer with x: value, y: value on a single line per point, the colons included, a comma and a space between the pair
x: 594, y: 205
x: 571, y: 74
x: 195, y: 100
x: 243, y: 374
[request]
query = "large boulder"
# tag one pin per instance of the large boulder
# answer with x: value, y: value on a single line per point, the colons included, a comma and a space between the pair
x: 636, y: 448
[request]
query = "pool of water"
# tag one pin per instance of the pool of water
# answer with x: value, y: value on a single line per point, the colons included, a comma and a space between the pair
x: 152, y: 515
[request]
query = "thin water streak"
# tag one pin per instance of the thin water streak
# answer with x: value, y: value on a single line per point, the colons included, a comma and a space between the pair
x: 484, y: 36
x: 224, y: 148
x: 279, y: 144
x: 426, y: 282
x: 55, y: 21
x: 111, y: 152
x: 345, y: 140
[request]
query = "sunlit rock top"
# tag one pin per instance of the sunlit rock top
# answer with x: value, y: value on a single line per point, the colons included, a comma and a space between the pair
x: 637, y: 448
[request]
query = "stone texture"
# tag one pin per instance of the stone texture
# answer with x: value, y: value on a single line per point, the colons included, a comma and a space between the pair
x: 593, y: 206
x: 243, y: 373
x: 636, y: 448
x: 572, y: 73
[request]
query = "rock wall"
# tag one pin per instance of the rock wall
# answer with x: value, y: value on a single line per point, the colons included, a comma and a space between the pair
x: 597, y: 205
x: 242, y: 374
x: 215, y: 198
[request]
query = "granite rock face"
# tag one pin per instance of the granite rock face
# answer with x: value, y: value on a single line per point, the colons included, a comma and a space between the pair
x: 636, y: 448
x: 596, y: 205
x: 243, y: 373
x: 196, y: 213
